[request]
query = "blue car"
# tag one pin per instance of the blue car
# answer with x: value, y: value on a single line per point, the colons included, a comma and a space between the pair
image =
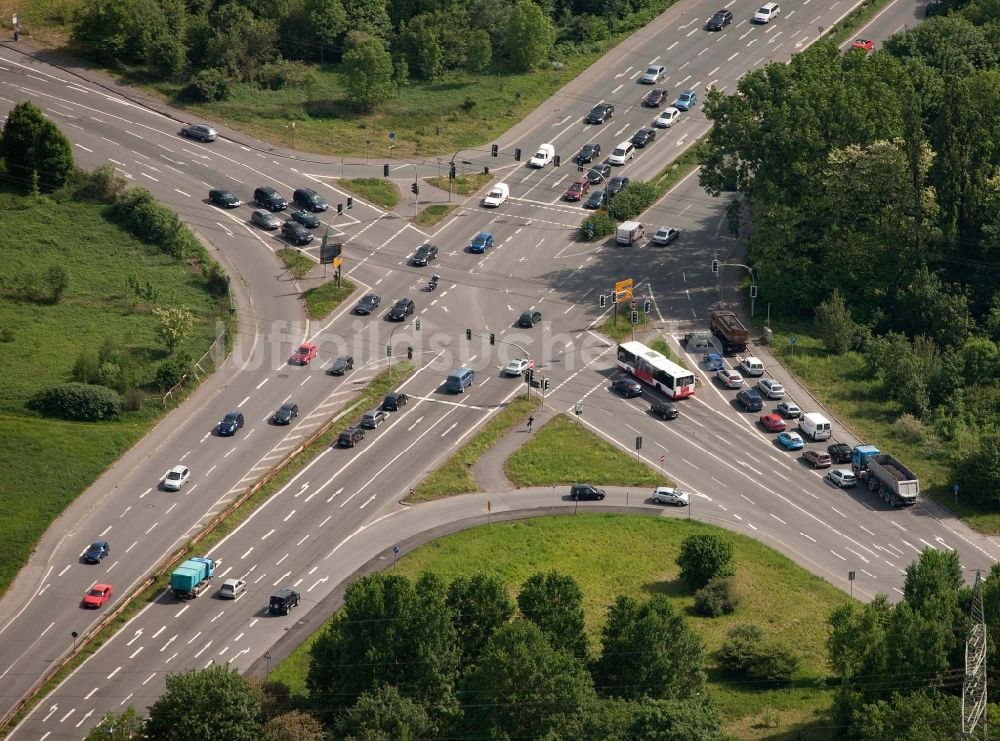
x: 481, y: 242
x: 687, y: 101
x: 713, y: 361
x: 791, y: 441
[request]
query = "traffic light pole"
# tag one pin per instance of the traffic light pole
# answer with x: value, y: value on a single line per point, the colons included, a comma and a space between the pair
x: 717, y: 266
x: 469, y: 334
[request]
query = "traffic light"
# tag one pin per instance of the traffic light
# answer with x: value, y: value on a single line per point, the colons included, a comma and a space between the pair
x: 388, y: 351
x: 417, y: 324
x: 415, y: 188
x: 517, y: 154
x: 635, y: 317
x: 493, y: 339
x: 409, y: 353
x: 468, y: 334
x: 557, y: 161
x: 602, y: 300
x: 340, y: 209
x: 350, y: 202
x: 646, y: 306
x: 451, y: 172
x: 529, y: 375
x: 614, y: 297
x: 495, y: 150
x: 385, y: 171
x: 715, y: 266
x: 545, y: 384
x: 753, y: 290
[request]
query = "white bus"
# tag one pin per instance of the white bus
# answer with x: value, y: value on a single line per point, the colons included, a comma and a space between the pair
x: 656, y: 370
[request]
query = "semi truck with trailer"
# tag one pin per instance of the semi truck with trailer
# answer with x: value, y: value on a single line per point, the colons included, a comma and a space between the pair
x: 730, y: 331
x: 192, y: 577
x: 885, y: 476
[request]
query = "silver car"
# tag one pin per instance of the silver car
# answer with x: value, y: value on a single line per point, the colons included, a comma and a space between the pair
x: 232, y: 588
x: 264, y: 219
x: 199, y: 131
x: 656, y: 73
x: 669, y: 495
x: 771, y: 388
x: 373, y: 419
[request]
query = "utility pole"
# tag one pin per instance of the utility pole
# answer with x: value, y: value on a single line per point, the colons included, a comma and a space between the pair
x: 974, y: 682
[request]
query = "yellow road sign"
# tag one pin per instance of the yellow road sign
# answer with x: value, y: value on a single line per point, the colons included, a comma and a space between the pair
x: 623, y: 290
x: 337, y: 262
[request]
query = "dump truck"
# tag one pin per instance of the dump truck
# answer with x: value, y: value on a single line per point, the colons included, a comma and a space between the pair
x: 730, y: 330
x: 192, y: 577
x: 885, y: 476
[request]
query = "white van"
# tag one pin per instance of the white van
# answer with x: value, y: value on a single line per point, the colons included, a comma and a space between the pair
x: 543, y: 156
x: 751, y: 366
x: 815, y: 426
x: 629, y: 233
x: 767, y: 13
x: 622, y: 153
x: 497, y: 195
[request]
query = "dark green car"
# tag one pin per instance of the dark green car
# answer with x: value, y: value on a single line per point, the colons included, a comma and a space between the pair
x: 529, y: 318
x: 308, y: 220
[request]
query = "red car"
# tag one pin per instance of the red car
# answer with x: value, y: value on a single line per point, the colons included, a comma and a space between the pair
x: 304, y: 354
x: 577, y: 190
x: 97, y: 595
x: 866, y: 44
x: 773, y: 422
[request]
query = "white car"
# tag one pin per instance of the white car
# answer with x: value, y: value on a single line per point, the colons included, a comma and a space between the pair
x: 656, y: 73
x: 667, y: 118
x: 665, y: 235
x: 771, y: 388
x: 518, y: 366
x: 669, y: 495
x: 497, y: 195
x: 543, y: 156
x: 767, y: 12
x: 176, y: 478
x: 842, y: 478
x: 232, y: 588
x: 730, y: 378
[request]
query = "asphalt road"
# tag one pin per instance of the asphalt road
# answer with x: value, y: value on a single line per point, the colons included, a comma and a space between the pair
x: 317, y: 530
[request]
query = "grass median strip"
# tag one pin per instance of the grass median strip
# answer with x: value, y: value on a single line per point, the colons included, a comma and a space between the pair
x: 323, y: 299
x: 431, y: 215
x: 618, y: 326
x: 563, y: 452
x: 298, y: 264
x: 463, y: 185
x: 367, y: 399
x: 455, y: 475
x: 379, y: 191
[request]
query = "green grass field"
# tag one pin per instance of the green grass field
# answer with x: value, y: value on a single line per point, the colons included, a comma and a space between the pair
x: 46, y: 463
x: 621, y: 554
x: 375, y: 190
x: 544, y: 459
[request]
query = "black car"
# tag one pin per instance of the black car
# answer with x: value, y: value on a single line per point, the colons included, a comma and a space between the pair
x: 751, y: 400
x: 341, y: 365
x: 664, y: 409
x: 655, y: 97
x: 599, y: 173
x: 308, y: 220
x: 283, y: 601
x: 288, y: 412
x: 529, y: 318
x: 350, y: 437
x: 719, y: 21
x: 309, y: 199
x: 600, y: 113
x: 97, y: 551
x: 224, y: 198
x: 585, y: 491
x: 394, y: 400
x: 400, y: 310
x: 840, y: 452
x: 597, y: 199
x: 296, y: 233
x: 616, y: 185
x: 368, y: 304
x: 424, y: 254
x: 230, y: 423
x: 589, y: 153
x: 644, y: 136
x: 270, y: 199
x: 626, y: 386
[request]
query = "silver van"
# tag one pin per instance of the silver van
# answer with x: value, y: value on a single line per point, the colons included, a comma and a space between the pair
x: 459, y: 380
x: 622, y: 153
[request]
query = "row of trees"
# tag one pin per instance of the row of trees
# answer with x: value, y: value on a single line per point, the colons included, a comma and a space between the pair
x: 380, y: 43
x: 872, y: 183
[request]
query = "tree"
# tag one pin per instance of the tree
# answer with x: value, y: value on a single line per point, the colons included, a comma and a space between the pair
x: 241, y: 44
x: 176, y: 323
x: 36, y: 152
x: 977, y: 472
x: 371, y: 17
x: 934, y: 574
x: 384, y: 714
x: 705, y: 556
x: 834, y: 323
x: 102, y: 26
x: 479, y: 52
x: 747, y: 653
x: 294, y: 724
x: 554, y: 603
x: 124, y: 726
x: 635, y: 658
x: 216, y: 702
x: 921, y: 715
x: 327, y: 22
x: 858, y: 641
x: 527, y: 38
x: 522, y: 687
x: 653, y: 720
x: 368, y: 66
x: 479, y: 606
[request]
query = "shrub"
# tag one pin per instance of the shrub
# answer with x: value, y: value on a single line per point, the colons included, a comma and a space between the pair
x: 834, y: 323
x: 745, y: 653
x: 286, y: 73
x: 632, y: 201
x: 597, y: 226
x: 151, y: 222
x: 110, y: 375
x: 703, y: 557
x: 82, y: 401
x: 170, y: 372
x: 103, y: 185
x: 208, y: 85
x: 86, y: 366
x: 58, y: 281
x: 718, y: 597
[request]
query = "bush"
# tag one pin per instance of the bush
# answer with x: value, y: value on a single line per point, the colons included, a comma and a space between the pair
x: 151, y: 222
x: 286, y: 73
x: 103, y: 185
x: 58, y: 281
x: 745, y: 653
x: 171, y: 371
x: 82, y: 401
x: 209, y: 85
x: 703, y: 557
x: 718, y: 597
x: 86, y: 366
x: 597, y: 226
x: 632, y: 201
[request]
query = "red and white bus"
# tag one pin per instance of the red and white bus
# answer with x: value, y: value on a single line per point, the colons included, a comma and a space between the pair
x: 656, y: 370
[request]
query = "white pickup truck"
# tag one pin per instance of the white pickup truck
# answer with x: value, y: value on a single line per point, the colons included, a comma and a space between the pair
x: 543, y: 156
x: 497, y: 195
